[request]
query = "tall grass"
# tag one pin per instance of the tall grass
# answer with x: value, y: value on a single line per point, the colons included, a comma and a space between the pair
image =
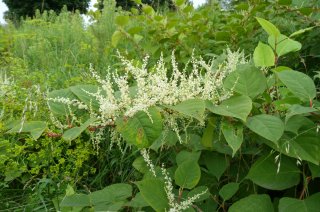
x: 61, y: 47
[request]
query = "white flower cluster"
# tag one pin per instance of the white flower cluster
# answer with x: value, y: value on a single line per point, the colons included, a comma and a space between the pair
x: 5, y: 84
x: 157, y: 87
x: 174, y: 205
x: 183, y: 205
x: 146, y: 158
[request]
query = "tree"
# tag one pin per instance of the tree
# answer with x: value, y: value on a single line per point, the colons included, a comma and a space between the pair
x: 25, y: 8
x: 128, y: 4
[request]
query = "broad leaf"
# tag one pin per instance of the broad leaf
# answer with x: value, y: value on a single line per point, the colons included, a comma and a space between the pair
x: 267, y: 126
x: 301, y: 85
x: 168, y: 138
x: 246, y: 80
x: 58, y: 108
x: 140, y: 165
x: 207, y: 137
x: 194, y: 108
x: 284, y: 45
x: 216, y: 163
x: 137, y: 202
x: 75, y: 132
x: 83, y: 92
x: 140, y: 130
x: 76, y: 200
x: 122, y: 20
x: 35, y: 128
x: 310, y: 204
x: 233, y: 133
x: 154, y: 194
x: 237, y: 106
x: 185, y: 155
x: 188, y: 174
x: 115, y: 194
x: 263, y: 55
x: 228, y: 190
x: 253, y: 203
x: 305, y: 146
x: 315, y: 170
x: 268, y: 27
x: 295, y: 123
x: 266, y: 173
x: 299, y: 110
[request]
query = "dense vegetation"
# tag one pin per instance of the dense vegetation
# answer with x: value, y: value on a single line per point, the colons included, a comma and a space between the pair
x: 208, y: 109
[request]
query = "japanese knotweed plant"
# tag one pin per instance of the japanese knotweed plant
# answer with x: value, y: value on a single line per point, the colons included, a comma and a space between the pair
x: 260, y: 132
x: 243, y: 128
x: 129, y: 100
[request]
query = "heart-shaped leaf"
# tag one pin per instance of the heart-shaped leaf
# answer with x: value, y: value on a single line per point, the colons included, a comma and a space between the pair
x: 300, y: 84
x: 267, y: 126
x: 237, y: 106
x: 142, y: 129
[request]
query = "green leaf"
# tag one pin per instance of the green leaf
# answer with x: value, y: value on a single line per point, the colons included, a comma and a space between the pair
x: 75, y: 132
x: 263, y: 55
x: 228, y: 190
x: 267, y: 126
x: 139, y: 130
x: 60, y: 108
x: 237, y: 106
x: 266, y: 173
x: 194, y: 108
x: 168, y: 138
x: 315, y: 170
x: 76, y: 200
x: 301, y: 85
x: 284, y: 45
x: 121, y: 20
x: 69, y: 190
x: 295, y: 123
x: 185, y: 155
x: 207, y: 137
x: 246, y: 80
x: 179, y: 2
x: 116, y: 37
x: 305, y: 146
x: 188, y: 174
x: 140, y: 165
x: 268, y: 27
x: 310, y: 204
x: 154, y: 194
x: 233, y: 135
x: 147, y: 9
x: 301, y: 31
x: 253, y: 203
x: 82, y: 92
x: 112, y: 195
x: 216, y: 163
x: 138, y: 1
x: 35, y: 128
x: 298, y: 110
x: 137, y: 202
x: 137, y: 38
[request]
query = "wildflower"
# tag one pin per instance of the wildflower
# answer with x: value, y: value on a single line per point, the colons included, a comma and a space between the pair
x: 174, y: 206
x: 146, y: 158
x: 153, y: 87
